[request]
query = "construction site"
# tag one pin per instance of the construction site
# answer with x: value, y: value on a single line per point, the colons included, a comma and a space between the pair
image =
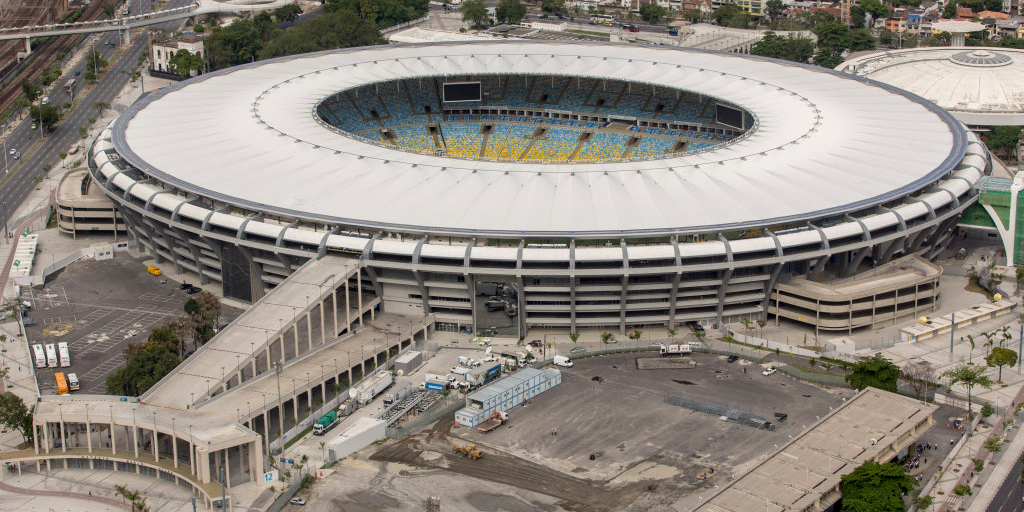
x: 608, y: 437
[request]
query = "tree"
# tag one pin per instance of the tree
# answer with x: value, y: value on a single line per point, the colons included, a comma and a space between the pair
x: 100, y: 106
x: 149, y: 364
x: 1003, y: 137
x: 14, y: 415
x: 94, y: 62
x: 774, y: 9
x: 552, y: 5
x: 198, y: 28
x: 203, y: 314
x: 874, y: 487
x: 923, y: 502
x: 917, y: 375
x: 694, y: 15
x: 635, y: 334
x: 875, y: 371
x: 886, y: 37
x: 474, y: 12
x: 861, y: 39
x: 1001, y: 357
x: 651, y: 13
x: 31, y: 91
x: 287, y: 13
x: 341, y: 29
x: 672, y: 332
x: 833, y: 39
x: 46, y: 115
x: 857, y: 16
x: 731, y: 15
x: 875, y: 8
x: 605, y: 336
x: 574, y: 336
x: 109, y: 10
x: 184, y: 62
x: 949, y: 11
x: 510, y: 11
x: 968, y: 375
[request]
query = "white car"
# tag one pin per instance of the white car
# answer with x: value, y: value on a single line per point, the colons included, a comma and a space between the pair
x: 13, y: 151
x: 768, y: 371
x: 297, y: 501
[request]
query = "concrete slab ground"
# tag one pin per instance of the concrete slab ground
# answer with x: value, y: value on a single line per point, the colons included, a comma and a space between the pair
x: 98, y: 308
x: 623, y: 417
x: 92, y: 490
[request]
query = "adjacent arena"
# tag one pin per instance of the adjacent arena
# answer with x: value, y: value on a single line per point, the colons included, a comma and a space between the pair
x: 505, y: 186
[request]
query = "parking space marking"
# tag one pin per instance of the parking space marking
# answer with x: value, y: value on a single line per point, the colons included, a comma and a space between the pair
x: 101, y: 372
x: 127, y: 325
x: 165, y: 298
x: 59, y: 320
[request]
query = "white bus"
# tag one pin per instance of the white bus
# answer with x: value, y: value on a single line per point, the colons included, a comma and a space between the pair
x: 65, y: 356
x: 40, y: 355
x: 601, y: 19
x: 51, y: 355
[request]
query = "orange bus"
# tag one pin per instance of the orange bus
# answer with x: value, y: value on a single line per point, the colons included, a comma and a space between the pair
x: 62, y: 384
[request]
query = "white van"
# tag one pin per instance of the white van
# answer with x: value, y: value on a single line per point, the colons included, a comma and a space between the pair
x: 51, y: 355
x: 562, y: 361
x: 65, y: 356
x: 37, y: 349
x: 73, y: 384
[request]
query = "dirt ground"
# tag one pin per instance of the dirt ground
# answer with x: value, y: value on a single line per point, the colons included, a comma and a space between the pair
x: 647, y: 453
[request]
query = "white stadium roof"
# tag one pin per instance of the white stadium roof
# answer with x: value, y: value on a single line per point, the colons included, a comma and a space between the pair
x: 979, y: 86
x: 825, y: 143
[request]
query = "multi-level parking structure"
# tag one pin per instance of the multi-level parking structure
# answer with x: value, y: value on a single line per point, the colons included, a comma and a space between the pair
x: 236, y: 177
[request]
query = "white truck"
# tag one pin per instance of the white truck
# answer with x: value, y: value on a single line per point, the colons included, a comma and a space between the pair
x: 51, y: 355
x: 37, y: 349
x: 371, y: 387
x: 676, y: 350
x: 562, y: 361
x: 65, y: 355
x: 397, y: 394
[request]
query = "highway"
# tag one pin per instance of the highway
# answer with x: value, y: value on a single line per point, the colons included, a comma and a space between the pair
x: 1010, y: 497
x: 25, y: 140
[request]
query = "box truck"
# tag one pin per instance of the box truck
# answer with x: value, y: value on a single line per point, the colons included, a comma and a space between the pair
x: 37, y: 349
x: 65, y: 356
x: 51, y: 355
x: 371, y: 387
x: 326, y: 422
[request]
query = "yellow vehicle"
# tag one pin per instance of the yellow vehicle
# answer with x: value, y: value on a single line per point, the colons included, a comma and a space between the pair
x: 154, y: 270
x: 62, y: 384
x: 469, y: 450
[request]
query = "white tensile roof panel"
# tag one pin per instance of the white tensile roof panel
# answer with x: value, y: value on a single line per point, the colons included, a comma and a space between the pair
x: 825, y: 144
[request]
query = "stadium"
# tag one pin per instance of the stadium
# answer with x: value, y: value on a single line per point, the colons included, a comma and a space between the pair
x: 509, y: 186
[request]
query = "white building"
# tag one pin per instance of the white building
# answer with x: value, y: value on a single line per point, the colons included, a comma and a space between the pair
x: 161, y: 53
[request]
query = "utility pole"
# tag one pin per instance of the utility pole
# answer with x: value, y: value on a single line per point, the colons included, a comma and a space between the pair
x: 278, y: 367
x: 223, y: 493
x: 6, y: 233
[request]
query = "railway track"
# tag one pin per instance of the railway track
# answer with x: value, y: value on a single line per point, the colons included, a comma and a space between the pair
x: 47, y: 55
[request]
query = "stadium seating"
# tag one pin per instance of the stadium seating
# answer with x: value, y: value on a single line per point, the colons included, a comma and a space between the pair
x: 415, y: 138
x: 508, y: 141
x: 602, y: 146
x: 422, y: 93
x: 650, y: 147
x: 556, y: 146
x: 462, y: 139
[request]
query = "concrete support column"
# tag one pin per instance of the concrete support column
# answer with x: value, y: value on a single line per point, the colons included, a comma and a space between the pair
x: 135, y: 439
x: 156, y: 445
x: 266, y: 431
x: 46, y: 436
x: 255, y: 455
x: 192, y: 456
x: 348, y: 309
x: 309, y: 330
x: 64, y: 439
x: 88, y: 435
x: 227, y: 467
x: 203, y: 466
x: 295, y: 328
x: 35, y: 438
x: 253, y: 365
x: 268, y: 355
x: 295, y: 410
x: 323, y: 324
x: 359, y: 295
x: 334, y: 310
x: 174, y: 449
x: 28, y: 46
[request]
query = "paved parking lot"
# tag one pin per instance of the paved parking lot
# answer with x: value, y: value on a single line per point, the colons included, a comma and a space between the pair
x: 98, y: 308
x: 608, y: 408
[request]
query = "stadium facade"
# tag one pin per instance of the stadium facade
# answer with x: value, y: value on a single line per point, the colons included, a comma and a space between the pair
x: 240, y: 176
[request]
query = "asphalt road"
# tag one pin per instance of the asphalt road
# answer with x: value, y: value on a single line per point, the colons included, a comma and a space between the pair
x: 23, y: 139
x: 1010, y: 497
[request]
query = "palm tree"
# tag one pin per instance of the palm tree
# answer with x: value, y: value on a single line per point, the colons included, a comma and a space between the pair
x: 605, y: 336
x: 131, y: 496
x: 969, y: 375
x: 746, y: 324
x: 635, y: 335
x: 970, y: 339
x: 672, y: 332
x: 574, y: 336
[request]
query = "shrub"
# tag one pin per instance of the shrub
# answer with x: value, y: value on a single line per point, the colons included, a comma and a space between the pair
x: 987, y: 410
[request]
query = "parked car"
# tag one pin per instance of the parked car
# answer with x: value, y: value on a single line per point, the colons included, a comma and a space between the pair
x: 297, y: 501
x: 153, y: 270
x: 612, y: 340
x: 658, y: 345
x: 185, y: 286
x: 732, y: 359
x: 768, y: 371
x: 578, y: 350
x: 193, y: 290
